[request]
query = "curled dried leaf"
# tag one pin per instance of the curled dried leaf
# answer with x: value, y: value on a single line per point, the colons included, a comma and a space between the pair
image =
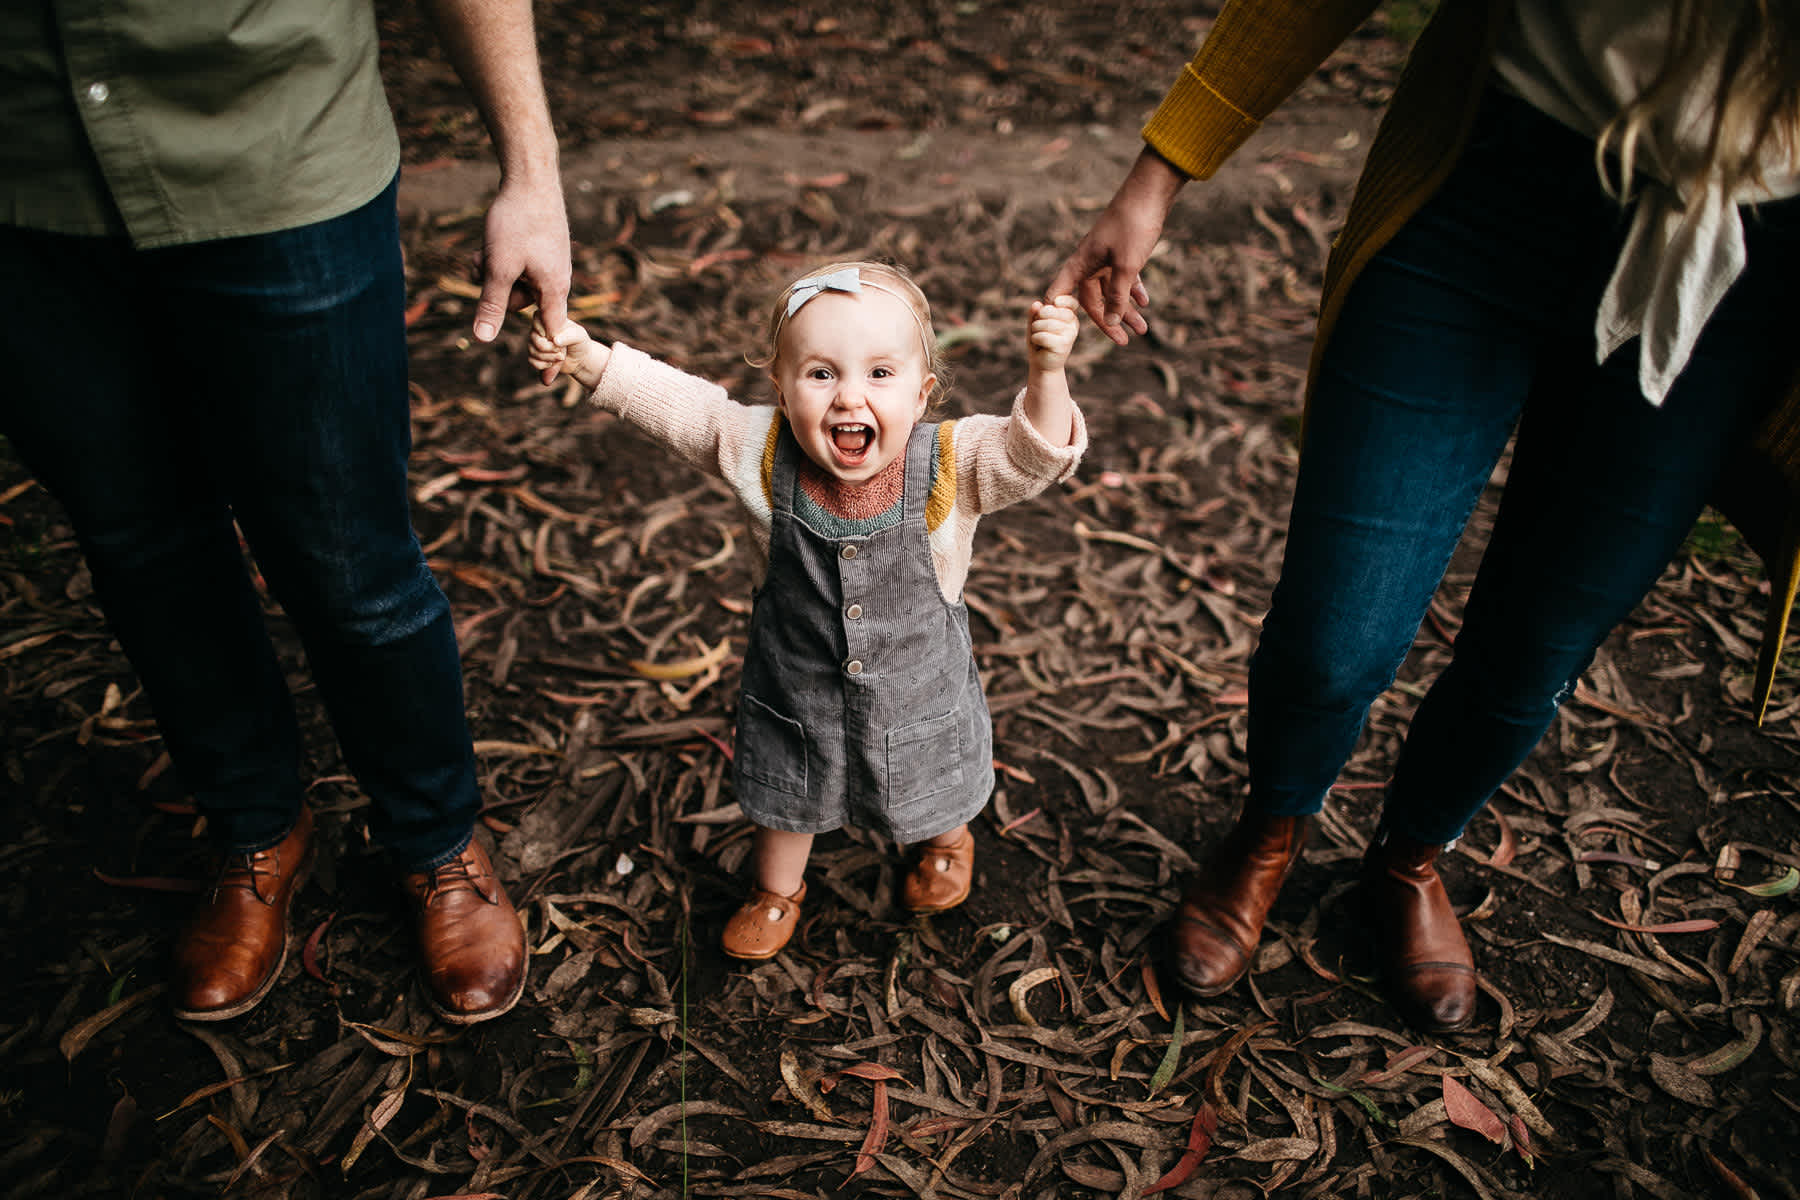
x: 1021, y: 988
x: 685, y: 668
x: 802, y: 1087
x: 77, y: 1038
x: 1681, y: 1083
x: 646, y: 1128
x: 1732, y: 1054
x: 1755, y: 930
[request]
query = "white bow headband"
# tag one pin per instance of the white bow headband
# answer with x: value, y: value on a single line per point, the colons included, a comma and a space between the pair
x: 850, y: 281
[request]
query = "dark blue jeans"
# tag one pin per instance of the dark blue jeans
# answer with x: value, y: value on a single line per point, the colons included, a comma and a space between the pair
x: 161, y: 394
x: 1475, y: 319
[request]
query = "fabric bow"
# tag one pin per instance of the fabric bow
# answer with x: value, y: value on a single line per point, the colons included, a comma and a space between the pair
x: 847, y: 280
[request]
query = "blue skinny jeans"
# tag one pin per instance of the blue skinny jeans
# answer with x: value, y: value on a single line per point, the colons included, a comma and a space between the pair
x: 1475, y: 320
x: 160, y: 395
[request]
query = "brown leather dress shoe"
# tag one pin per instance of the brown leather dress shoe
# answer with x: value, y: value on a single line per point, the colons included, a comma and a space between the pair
x: 762, y: 925
x: 233, y: 947
x: 1220, y: 920
x: 471, y: 945
x: 941, y: 876
x: 1419, y: 945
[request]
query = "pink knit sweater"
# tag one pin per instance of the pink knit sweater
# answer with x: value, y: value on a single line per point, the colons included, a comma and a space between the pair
x: 984, y: 462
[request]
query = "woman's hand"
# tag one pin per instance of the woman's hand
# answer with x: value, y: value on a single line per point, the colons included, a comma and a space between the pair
x: 1105, y: 270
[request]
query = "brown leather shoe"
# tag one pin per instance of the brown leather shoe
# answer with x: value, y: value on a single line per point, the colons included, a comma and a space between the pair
x: 941, y: 876
x: 1419, y: 946
x: 233, y: 947
x: 1215, y: 930
x: 762, y: 925
x: 471, y: 945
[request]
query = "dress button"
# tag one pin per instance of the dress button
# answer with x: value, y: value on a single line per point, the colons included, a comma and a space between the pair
x: 98, y: 92
x: 854, y: 666
x: 854, y: 612
x: 849, y: 551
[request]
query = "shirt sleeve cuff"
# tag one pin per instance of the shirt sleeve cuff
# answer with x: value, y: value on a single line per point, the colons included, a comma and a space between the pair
x: 1033, y: 453
x: 1196, y: 128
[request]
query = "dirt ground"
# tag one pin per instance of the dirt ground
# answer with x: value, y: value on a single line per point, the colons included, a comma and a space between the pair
x: 1630, y: 894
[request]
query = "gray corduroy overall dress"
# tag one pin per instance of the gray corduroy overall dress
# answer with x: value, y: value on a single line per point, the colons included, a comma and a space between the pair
x: 861, y: 703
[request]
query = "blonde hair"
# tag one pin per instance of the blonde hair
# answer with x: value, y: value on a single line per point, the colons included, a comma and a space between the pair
x: 888, y: 277
x: 1755, y: 100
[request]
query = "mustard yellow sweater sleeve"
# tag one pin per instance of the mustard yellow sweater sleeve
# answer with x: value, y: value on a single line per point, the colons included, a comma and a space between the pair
x: 1253, y: 58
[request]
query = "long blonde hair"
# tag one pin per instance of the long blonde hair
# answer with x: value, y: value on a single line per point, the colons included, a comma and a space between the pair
x: 1756, y: 95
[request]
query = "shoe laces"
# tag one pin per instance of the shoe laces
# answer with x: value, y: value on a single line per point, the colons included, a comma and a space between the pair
x: 457, y: 875
x: 242, y: 869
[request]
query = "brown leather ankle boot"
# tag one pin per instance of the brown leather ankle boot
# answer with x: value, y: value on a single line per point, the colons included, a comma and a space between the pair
x: 1215, y: 930
x: 232, y: 949
x: 471, y: 945
x: 1419, y: 945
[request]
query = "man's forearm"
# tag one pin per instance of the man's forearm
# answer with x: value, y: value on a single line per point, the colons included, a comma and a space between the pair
x: 493, y: 46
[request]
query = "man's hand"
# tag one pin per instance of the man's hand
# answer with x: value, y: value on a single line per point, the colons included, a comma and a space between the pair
x: 525, y: 258
x: 1104, y: 271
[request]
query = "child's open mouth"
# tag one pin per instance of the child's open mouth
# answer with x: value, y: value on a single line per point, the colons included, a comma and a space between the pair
x: 852, y: 441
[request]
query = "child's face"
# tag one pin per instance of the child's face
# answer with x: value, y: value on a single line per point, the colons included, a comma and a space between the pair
x: 851, y: 376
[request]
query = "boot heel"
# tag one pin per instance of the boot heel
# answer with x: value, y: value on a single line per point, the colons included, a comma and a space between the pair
x: 1419, y: 946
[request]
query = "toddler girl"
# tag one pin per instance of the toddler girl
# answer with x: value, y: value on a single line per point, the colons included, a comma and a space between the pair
x: 860, y: 700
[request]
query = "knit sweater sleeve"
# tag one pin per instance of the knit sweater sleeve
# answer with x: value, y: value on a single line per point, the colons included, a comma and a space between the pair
x: 984, y: 464
x: 700, y: 424
x: 1003, y: 460
x: 1255, y: 55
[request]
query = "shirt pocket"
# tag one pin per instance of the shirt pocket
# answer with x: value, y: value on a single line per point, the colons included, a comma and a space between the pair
x: 924, y: 760
x: 771, y: 748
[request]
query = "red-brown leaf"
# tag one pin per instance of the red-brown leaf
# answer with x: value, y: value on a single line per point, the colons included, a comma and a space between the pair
x: 309, y: 954
x: 1470, y: 1113
x: 877, y: 1136
x: 1200, y: 1136
x: 149, y: 883
x: 875, y: 1071
x: 1153, y: 989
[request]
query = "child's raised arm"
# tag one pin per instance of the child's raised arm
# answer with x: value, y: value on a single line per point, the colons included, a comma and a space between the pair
x: 571, y: 352
x: 1047, y: 402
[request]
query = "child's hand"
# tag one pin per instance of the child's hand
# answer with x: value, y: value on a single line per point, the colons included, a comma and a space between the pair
x: 1053, y: 329
x: 571, y: 352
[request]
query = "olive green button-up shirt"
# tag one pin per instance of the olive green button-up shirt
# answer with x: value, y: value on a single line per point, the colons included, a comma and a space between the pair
x: 176, y: 121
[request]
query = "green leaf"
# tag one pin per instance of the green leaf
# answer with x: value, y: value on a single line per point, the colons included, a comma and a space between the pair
x: 1369, y: 1106
x: 956, y: 335
x: 1165, y: 1070
x: 1781, y: 885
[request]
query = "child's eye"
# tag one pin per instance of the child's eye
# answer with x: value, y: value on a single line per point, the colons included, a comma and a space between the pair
x: 819, y: 373
x: 882, y: 372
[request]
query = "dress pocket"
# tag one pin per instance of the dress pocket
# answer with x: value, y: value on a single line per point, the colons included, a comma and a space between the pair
x: 924, y: 759
x: 771, y: 748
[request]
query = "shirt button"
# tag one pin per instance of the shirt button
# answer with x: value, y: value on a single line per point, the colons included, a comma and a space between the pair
x: 98, y: 92
x: 849, y: 551
x: 854, y: 666
x: 854, y: 612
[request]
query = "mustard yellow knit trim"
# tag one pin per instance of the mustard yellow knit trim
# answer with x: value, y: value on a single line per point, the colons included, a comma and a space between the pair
x: 768, y: 460
x: 943, y: 488
x: 1784, y: 578
x: 1196, y: 128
